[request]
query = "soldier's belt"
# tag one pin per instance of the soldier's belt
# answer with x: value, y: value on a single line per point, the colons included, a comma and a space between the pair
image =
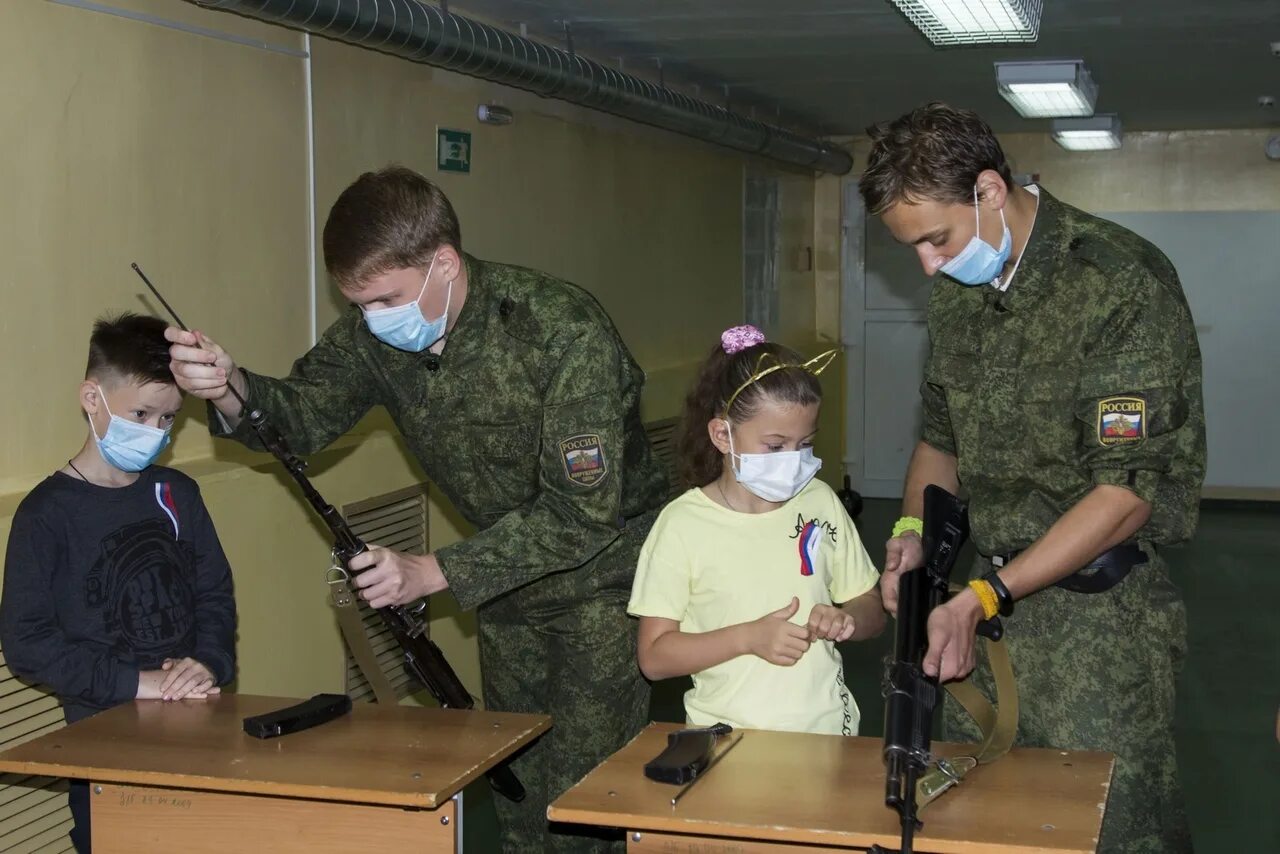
x: 1103, y: 572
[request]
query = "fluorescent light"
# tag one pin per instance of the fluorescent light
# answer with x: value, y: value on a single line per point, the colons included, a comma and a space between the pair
x: 1096, y: 133
x: 948, y: 22
x: 1045, y: 90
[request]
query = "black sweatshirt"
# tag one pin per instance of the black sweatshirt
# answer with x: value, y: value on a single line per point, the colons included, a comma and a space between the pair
x: 101, y: 583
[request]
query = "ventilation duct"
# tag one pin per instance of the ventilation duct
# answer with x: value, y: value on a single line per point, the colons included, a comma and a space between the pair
x: 428, y: 34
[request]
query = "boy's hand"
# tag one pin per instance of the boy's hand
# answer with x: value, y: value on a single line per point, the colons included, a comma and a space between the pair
x: 200, y: 367
x: 186, y: 678
x: 827, y: 622
x: 149, y: 684
x: 775, y: 639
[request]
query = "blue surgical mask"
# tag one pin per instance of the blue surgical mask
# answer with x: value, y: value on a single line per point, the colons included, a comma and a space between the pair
x: 128, y: 445
x: 404, y: 326
x: 978, y: 263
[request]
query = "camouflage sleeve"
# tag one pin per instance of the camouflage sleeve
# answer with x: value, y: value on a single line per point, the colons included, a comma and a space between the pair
x: 936, y: 429
x: 329, y: 389
x: 575, y: 513
x: 1139, y: 395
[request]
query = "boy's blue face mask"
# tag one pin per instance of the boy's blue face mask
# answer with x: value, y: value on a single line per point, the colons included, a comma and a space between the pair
x: 128, y: 445
x: 978, y: 263
x: 404, y: 326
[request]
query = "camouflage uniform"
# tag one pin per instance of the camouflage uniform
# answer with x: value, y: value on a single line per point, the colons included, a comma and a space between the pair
x: 1021, y: 387
x: 531, y: 428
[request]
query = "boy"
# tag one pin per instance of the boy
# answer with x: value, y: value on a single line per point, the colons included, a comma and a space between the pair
x: 115, y: 585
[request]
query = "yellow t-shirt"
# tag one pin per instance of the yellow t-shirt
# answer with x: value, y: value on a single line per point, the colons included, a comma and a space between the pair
x: 709, y: 567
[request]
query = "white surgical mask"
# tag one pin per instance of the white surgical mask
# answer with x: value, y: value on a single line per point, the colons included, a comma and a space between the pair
x: 777, y: 476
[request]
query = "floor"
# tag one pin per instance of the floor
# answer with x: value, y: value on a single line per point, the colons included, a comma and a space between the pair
x: 1228, y: 697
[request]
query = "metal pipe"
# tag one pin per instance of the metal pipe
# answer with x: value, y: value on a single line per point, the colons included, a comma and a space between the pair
x: 434, y: 36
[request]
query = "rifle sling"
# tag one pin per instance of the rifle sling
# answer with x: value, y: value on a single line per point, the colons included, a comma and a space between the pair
x: 347, y: 607
x: 999, y: 725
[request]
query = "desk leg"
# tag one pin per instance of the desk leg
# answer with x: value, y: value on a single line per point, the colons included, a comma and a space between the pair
x: 146, y: 819
x: 457, y: 821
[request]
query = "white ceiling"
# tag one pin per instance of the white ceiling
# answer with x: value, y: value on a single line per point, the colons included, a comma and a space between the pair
x: 836, y: 67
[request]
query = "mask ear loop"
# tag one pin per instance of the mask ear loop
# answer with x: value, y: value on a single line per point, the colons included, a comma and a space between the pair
x: 728, y: 426
x: 102, y: 396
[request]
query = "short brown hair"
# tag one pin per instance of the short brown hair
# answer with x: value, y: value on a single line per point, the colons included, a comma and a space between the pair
x: 934, y: 152
x: 700, y: 462
x: 387, y: 220
x: 129, y: 347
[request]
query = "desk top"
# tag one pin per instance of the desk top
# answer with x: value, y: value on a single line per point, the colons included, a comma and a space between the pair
x: 829, y: 790
x: 403, y: 756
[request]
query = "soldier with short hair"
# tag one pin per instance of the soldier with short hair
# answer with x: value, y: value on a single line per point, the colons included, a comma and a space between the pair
x: 521, y: 402
x: 1062, y: 398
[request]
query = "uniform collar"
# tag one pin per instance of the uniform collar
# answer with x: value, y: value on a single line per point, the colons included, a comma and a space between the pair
x: 1041, y: 257
x: 467, y: 337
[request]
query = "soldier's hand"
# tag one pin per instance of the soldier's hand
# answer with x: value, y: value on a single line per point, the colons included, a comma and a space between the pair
x: 951, y: 630
x: 827, y: 622
x: 902, y: 553
x: 200, y: 367
x: 777, y: 640
x: 385, y: 577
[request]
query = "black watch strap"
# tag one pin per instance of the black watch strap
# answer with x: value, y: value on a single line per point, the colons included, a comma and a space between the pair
x: 1002, y: 593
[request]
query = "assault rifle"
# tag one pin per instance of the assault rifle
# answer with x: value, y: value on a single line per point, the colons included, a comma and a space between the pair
x: 422, y: 657
x: 912, y: 696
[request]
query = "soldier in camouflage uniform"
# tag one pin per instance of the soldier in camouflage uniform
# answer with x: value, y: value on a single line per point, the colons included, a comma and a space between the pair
x: 1062, y: 398
x: 528, y: 421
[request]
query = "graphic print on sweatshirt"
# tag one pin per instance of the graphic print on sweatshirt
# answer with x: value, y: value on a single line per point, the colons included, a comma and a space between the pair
x: 142, y: 582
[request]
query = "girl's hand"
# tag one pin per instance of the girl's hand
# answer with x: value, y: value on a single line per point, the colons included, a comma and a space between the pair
x: 827, y: 622
x: 775, y: 639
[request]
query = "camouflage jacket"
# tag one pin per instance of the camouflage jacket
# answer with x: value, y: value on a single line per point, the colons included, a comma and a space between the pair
x: 1085, y: 371
x: 530, y: 425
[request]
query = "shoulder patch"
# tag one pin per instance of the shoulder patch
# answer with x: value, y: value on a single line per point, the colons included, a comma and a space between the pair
x: 583, y: 458
x: 1122, y: 420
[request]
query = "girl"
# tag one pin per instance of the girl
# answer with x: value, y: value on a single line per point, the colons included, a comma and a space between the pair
x: 738, y: 580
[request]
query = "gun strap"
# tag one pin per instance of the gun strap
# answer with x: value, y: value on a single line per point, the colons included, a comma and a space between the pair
x: 999, y: 725
x: 347, y: 607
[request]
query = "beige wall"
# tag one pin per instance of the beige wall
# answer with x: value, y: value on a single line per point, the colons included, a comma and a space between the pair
x: 1166, y: 171
x: 1194, y: 170
x: 188, y: 155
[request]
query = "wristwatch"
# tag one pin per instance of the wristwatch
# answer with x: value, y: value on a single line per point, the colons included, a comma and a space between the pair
x: 1002, y: 593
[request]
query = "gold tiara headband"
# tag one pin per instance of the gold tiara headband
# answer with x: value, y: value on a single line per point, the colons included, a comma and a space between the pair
x: 815, y: 366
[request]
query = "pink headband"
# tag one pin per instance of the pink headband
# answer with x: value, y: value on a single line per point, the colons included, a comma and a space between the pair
x: 739, y: 338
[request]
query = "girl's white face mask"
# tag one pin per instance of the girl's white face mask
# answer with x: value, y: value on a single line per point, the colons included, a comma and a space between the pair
x: 777, y: 476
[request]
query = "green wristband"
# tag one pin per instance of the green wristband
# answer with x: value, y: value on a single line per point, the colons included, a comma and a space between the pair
x: 908, y: 523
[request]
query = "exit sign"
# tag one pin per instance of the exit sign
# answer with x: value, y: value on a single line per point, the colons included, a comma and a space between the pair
x: 453, y: 150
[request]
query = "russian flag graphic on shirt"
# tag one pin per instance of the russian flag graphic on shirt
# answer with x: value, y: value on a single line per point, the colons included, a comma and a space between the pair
x: 164, y: 497
x: 810, y: 537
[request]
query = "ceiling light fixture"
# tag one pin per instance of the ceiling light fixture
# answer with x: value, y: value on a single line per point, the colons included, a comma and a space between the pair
x: 951, y: 22
x: 1049, y: 89
x: 1096, y: 133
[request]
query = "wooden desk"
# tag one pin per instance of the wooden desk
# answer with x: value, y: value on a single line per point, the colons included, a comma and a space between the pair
x: 787, y: 792
x: 185, y: 776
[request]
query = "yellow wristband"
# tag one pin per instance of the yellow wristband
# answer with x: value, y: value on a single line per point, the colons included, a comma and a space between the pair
x: 987, y: 596
x: 908, y: 523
